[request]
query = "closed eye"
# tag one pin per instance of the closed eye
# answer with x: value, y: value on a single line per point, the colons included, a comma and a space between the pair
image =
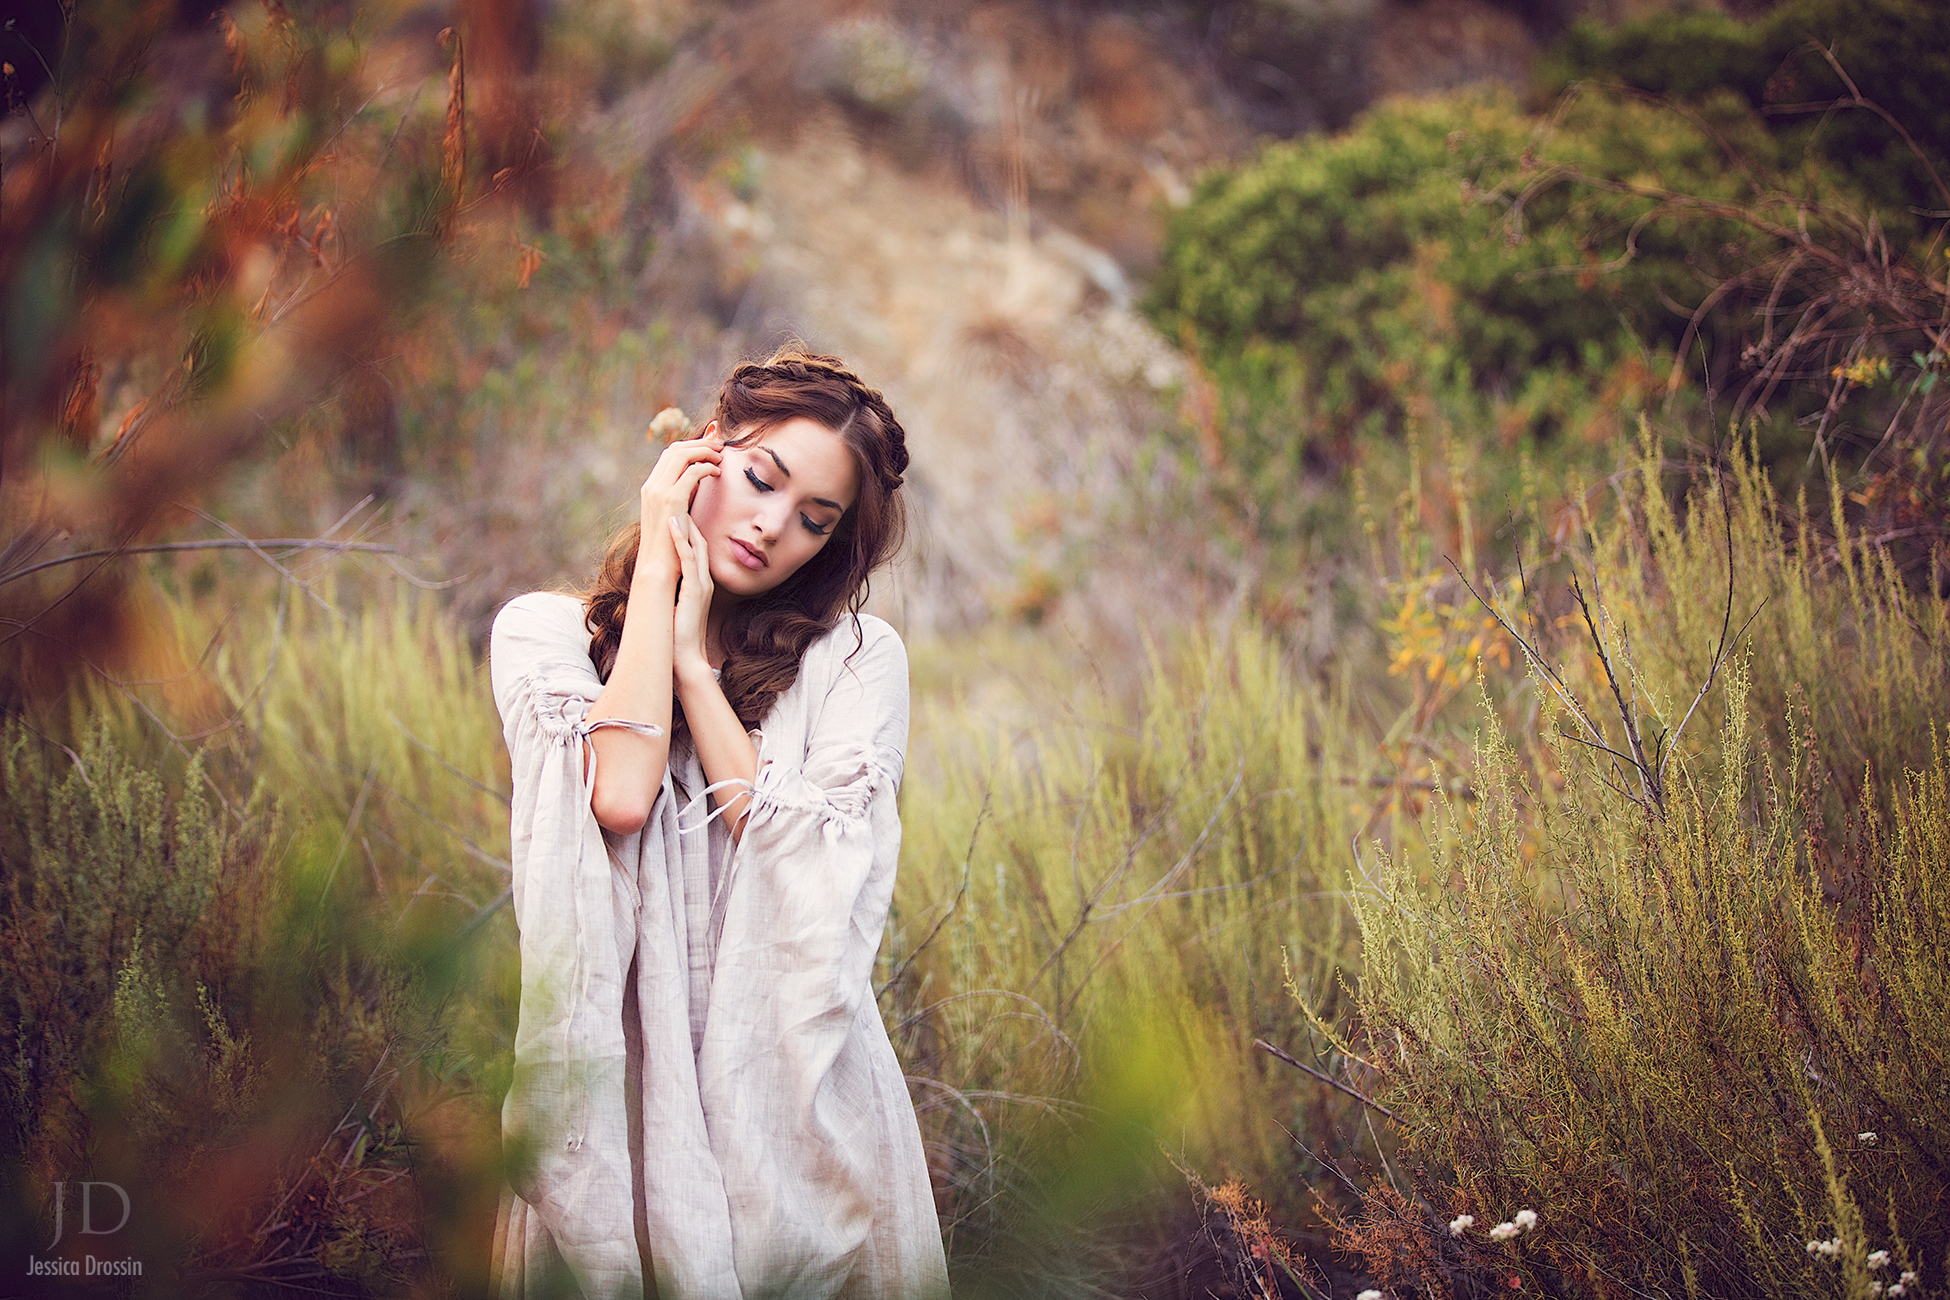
x: 763, y: 486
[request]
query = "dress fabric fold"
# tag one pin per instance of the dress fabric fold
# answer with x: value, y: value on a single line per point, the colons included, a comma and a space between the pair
x: 705, y: 1102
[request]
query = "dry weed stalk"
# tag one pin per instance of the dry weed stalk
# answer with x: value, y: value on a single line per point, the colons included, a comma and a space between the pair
x: 1648, y: 768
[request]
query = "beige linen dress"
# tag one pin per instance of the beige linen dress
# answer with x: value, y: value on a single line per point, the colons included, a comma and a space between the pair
x: 703, y: 1089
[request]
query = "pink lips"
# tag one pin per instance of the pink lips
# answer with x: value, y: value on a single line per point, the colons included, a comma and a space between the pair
x: 748, y: 557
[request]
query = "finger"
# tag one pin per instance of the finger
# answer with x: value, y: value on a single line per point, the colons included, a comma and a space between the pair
x: 685, y: 454
x: 672, y: 471
x: 680, y: 456
x: 688, y: 481
x: 690, y: 449
x: 695, y: 473
x: 679, y: 529
x: 703, y: 566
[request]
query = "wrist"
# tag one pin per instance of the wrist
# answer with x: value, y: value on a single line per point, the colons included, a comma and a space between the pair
x: 693, y: 673
x: 655, y: 573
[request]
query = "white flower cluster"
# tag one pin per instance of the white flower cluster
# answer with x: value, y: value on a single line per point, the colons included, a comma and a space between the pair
x: 1877, y: 1261
x: 1521, y: 1221
x: 1369, y: 1294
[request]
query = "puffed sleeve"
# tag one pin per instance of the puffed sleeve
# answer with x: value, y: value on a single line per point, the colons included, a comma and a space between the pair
x: 565, y: 1107
x: 792, y: 1114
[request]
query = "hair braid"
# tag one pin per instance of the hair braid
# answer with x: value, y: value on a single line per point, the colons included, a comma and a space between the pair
x: 798, y: 366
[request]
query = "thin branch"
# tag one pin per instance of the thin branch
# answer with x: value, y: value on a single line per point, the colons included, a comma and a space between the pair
x: 1551, y: 678
x: 208, y: 544
x: 1857, y: 100
x: 1327, y: 1079
x: 1647, y: 780
x: 1726, y: 620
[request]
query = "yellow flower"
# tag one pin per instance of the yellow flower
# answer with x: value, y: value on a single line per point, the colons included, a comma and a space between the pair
x: 1863, y: 372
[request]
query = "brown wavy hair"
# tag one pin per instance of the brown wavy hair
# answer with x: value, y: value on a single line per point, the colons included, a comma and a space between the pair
x: 766, y: 637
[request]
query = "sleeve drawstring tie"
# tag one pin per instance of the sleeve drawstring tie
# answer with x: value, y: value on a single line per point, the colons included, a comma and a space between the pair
x: 715, y: 813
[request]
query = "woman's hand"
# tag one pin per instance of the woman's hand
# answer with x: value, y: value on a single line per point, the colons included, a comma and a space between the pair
x: 667, y: 495
x: 693, y: 599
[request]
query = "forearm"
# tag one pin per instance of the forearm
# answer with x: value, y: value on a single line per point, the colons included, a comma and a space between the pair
x: 630, y: 767
x: 724, y: 748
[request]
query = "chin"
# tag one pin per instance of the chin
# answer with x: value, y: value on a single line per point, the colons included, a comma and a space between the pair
x: 734, y: 579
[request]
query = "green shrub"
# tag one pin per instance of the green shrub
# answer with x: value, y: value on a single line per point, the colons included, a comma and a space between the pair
x: 104, y: 868
x: 1366, y: 268
x: 1454, y: 264
x: 1896, y: 52
x: 1691, y: 1041
x: 1088, y: 934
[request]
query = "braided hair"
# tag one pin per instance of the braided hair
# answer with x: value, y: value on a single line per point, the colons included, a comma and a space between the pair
x: 766, y: 637
x: 758, y: 395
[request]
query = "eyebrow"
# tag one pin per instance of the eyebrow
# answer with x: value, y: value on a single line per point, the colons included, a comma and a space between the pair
x: 818, y: 501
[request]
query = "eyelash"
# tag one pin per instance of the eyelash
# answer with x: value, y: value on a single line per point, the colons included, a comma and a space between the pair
x: 763, y: 486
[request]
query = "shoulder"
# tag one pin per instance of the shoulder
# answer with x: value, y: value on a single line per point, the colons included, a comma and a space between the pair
x: 535, y: 628
x: 869, y: 649
x: 541, y: 604
x: 868, y: 636
x: 541, y: 611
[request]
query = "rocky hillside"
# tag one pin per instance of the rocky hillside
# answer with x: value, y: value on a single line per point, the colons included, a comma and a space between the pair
x: 960, y: 200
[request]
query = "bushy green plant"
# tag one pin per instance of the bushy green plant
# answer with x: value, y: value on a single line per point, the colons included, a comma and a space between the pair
x: 1689, y: 1036
x: 1366, y: 268
x: 1893, y: 53
x: 1455, y: 263
x: 1089, y: 933
x: 103, y: 866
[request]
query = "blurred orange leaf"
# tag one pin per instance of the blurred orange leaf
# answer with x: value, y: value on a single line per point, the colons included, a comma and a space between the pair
x: 529, y: 260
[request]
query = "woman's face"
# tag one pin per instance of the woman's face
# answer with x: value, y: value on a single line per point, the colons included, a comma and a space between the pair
x: 773, y: 504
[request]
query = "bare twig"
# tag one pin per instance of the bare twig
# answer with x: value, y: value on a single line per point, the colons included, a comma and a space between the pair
x: 207, y: 544
x: 1651, y: 794
x: 1327, y: 1079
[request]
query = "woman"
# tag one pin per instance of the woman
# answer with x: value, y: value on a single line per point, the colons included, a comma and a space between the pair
x: 706, y: 747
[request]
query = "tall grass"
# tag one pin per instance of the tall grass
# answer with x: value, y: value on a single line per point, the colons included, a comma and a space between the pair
x: 1097, y: 909
x: 1671, y: 1034
x: 237, y: 891
x: 1689, y: 1037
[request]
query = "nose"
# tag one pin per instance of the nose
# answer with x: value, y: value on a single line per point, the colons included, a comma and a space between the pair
x: 770, y: 518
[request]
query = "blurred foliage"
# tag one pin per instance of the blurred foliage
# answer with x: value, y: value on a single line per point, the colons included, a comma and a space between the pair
x: 1837, y: 80
x: 1539, y: 279
x: 1295, y: 65
x: 232, y: 962
x: 215, y: 223
x: 1309, y: 65
x: 1348, y: 273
